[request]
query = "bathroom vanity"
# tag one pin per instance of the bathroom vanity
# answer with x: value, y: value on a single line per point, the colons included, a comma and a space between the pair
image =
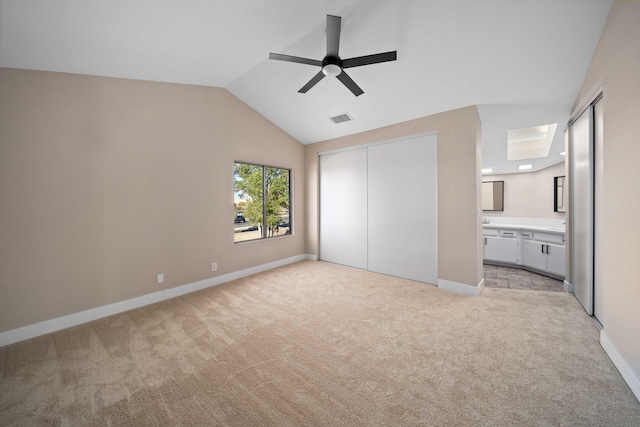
x: 538, y: 248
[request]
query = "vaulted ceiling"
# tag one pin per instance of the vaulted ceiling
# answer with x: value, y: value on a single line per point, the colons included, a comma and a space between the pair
x: 521, y: 61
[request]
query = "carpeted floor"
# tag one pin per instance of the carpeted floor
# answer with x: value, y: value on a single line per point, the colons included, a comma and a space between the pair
x: 319, y: 344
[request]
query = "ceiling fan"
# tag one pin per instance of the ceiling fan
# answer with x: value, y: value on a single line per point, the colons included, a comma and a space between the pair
x: 332, y: 64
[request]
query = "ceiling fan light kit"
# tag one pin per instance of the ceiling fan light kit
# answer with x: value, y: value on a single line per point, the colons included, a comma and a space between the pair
x: 331, y: 70
x: 331, y: 64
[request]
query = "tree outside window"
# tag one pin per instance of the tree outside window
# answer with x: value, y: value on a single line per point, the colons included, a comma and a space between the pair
x: 258, y: 216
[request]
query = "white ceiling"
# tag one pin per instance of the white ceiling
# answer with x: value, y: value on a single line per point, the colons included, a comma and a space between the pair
x: 521, y: 61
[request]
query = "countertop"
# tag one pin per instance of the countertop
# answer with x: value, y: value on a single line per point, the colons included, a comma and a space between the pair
x: 555, y: 230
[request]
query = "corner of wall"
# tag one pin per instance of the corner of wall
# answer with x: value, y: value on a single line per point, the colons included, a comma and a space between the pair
x: 626, y: 370
x: 461, y: 288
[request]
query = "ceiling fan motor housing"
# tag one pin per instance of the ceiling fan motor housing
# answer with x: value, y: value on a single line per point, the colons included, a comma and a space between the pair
x: 331, y: 65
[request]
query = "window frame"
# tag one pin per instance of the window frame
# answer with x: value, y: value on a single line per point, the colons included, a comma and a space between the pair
x: 264, y: 230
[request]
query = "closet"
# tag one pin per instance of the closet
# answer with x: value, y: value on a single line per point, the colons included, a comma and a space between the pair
x: 586, y: 222
x: 378, y: 207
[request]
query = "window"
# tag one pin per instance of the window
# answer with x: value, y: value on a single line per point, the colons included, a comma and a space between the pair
x: 257, y: 216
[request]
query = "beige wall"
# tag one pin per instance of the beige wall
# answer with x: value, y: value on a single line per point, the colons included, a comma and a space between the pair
x: 459, y: 197
x: 528, y: 195
x: 107, y: 182
x: 615, y: 69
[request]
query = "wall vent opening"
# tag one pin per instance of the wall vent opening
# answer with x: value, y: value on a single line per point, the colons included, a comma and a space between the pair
x: 341, y: 118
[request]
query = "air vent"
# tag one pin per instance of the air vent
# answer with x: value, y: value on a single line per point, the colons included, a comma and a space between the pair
x: 341, y: 118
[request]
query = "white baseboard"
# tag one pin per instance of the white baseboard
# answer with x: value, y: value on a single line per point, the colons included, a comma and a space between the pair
x: 310, y: 257
x: 53, y: 325
x: 630, y: 376
x: 480, y: 286
x: 461, y: 287
x: 568, y: 287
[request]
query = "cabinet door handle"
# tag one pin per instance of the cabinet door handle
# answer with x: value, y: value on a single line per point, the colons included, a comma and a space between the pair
x: 485, y: 241
x: 510, y: 234
x: 541, y: 248
x: 547, y: 249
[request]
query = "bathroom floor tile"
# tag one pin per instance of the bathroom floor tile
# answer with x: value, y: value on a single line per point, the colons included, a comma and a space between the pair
x: 515, y: 278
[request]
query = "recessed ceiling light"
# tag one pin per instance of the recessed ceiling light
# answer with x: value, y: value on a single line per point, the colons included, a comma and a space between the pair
x: 564, y: 153
x: 530, y: 143
x: 525, y: 167
x: 487, y: 170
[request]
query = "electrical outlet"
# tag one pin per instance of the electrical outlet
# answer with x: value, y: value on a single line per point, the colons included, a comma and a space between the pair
x: 214, y: 266
x: 160, y: 278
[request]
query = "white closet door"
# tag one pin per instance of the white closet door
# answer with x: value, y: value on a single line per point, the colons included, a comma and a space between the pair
x: 343, y: 208
x: 582, y: 208
x: 403, y: 211
x: 598, y: 220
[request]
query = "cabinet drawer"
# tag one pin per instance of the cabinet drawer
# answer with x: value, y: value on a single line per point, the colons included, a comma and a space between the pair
x: 549, y: 237
x: 490, y: 232
x: 527, y: 235
x: 508, y: 233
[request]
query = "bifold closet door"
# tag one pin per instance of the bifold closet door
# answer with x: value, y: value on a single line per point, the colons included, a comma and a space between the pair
x: 343, y: 207
x: 403, y: 210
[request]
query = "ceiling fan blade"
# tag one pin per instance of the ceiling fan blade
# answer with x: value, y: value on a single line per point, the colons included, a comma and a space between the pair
x: 333, y: 35
x: 289, y: 58
x: 312, y: 82
x: 349, y: 83
x: 369, y: 59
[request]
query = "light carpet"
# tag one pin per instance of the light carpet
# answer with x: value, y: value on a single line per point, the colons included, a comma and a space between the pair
x: 319, y: 344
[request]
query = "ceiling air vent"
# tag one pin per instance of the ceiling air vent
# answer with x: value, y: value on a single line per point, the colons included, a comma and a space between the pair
x: 341, y: 118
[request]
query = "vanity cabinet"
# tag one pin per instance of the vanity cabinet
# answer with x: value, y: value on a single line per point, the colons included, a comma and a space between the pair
x: 533, y: 255
x: 556, y: 261
x: 501, y: 246
x: 544, y: 252
x: 544, y: 257
x: 539, y: 251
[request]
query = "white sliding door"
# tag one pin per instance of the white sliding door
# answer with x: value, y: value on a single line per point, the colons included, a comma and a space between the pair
x: 581, y: 167
x: 343, y: 207
x: 403, y: 209
x: 598, y: 219
x: 378, y: 208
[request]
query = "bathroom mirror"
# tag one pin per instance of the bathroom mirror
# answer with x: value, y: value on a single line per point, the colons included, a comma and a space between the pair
x: 493, y: 196
x: 558, y: 194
